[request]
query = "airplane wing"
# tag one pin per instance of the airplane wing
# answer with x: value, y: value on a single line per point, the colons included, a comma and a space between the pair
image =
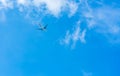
x: 45, y: 26
x: 39, y: 24
x: 40, y: 29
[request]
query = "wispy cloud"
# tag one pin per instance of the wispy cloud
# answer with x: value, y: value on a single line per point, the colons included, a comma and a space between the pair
x: 73, y: 6
x: 104, y: 20
x: 5, y: 4
x: 77, y: 34
x: 51, y: 7
x: 54, y: 7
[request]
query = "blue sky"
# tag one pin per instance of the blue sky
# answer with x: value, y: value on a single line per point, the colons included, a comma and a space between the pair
x: 82, y: 38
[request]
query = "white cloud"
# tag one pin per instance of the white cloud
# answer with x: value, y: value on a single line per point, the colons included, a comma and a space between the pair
x: 104, y: 20
x: 76, y: 35
x: 21, y: 2
x: 82, y: 37
x: 108, y: 21
x: 47, y: 7
x: 67, y: 38
x: 24, y: 5
x: 4, y: 4
x: 53, y: 6
x: 73, y: 6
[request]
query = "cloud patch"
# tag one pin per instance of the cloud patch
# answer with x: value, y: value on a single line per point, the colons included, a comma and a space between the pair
x: 72, y: 37
x: 104, y: 20
x: 51, y: 7
x: 6, y: 4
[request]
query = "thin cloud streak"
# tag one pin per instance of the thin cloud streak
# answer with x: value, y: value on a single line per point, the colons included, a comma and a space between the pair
x: 72, y: 37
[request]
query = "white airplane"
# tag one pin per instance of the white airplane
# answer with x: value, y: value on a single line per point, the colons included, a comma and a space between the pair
x: 42, y: 28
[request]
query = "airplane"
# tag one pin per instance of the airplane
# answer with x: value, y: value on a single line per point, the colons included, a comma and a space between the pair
x: 42, y: 28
